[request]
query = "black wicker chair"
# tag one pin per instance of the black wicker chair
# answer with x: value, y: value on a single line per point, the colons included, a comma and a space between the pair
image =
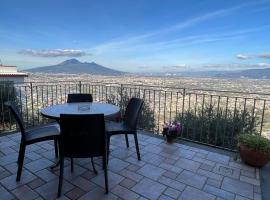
x: 82, y: 136
x: 76, y: 98
x: 72, y: 98
x: 129, y: 124
x: 31, y: 136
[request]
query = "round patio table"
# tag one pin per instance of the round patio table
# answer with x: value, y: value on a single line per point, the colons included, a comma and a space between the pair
x: 54, y: 111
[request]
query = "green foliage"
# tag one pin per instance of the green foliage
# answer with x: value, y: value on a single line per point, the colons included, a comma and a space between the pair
x: 216, y: 126
x: 7, y: 93
x: 121, y: 99
x: 255, y: 142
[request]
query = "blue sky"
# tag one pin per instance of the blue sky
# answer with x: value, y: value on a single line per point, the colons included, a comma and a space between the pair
x: 137, y: 36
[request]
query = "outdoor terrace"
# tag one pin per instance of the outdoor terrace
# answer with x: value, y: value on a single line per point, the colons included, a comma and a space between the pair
x: 166, y: 171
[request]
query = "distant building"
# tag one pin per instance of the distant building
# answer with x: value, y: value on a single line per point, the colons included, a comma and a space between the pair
x: 10, y: 73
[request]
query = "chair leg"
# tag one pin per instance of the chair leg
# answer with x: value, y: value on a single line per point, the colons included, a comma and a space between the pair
x: 108, y: 149
x: 105, y: 175
x: 137, y: 146
x: 127, y: 143
x: 20, y: 161
x: 60, y: 176
x: 93, y: 166
x: 56, y: 148
x: 71, y: 165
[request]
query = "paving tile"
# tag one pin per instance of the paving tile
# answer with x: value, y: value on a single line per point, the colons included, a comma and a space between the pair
x: 151, y: 171
x: 24, y: 192
x: 38, y: 165
x: 171, y: 168
x: 172, y: 193
x: 10, y: 182
x: 83, y: 184
x: 170, y: 174
x: 204, y: 161
x: 49, y: 190
x: 185, y: 153
x: 241, y: 198
x: 216, y: 157
x: 98, y: 194
x: 117, y: 165
x: 172, y: 183
x: 7, y: 159
x: 218, y: 192
x: 75, y: 193
x: 213, y: 182
x: 226, y: 170
x: 252, y: 181
x: 153, y: 159
x: 133, y: 168
x: 165, y: 197
x: 113, y: 179
x: 237, y: 187
x: 153, y: 148
x: 127, y: 183
x: 148, y: 188
x: 188, y: 164
x: 191, y: 193
x: 192, y: 179
x: 5, y: 195
x: 248, y: 174
x: 241, y: 166
x: 46, y: 175
x: 131, y: 175
x: 124, y: 193
x: 210, y: 174
x: 36, y: 183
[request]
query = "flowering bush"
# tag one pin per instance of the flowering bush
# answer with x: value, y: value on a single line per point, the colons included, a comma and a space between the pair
x: 172, y: 129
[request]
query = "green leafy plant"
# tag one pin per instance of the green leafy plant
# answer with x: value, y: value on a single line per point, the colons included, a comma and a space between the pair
x: 216, y: 126
x: 255, y: 142
x: 121, y: 99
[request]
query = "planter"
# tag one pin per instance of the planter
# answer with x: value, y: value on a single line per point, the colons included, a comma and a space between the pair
x: 169, y: 139
x: 253, y: 158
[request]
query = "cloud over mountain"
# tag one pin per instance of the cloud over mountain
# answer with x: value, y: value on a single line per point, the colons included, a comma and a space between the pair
x: 242, y: 57
x: 265, y: 55
x: 53, y: 52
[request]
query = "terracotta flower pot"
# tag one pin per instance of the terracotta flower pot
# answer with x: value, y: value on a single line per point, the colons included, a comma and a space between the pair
x: 253, y: 158
x: 169, y: 139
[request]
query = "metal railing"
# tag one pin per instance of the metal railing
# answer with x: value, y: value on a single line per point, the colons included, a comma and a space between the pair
x: 207, y: 116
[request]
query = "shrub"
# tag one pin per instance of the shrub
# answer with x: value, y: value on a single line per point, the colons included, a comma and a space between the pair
x: 7, y: 93
x: 121, y: 99
x: 219, y: 127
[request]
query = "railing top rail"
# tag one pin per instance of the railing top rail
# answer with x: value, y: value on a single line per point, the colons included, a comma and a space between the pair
x: 144, y: 86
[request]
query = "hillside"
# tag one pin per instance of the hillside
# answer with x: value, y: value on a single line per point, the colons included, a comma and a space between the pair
x: 74, y: 66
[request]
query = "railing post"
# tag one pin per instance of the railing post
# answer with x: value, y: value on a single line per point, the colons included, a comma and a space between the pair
x: 32, y: 103
x: 80, y: 86
x: 121, y: 99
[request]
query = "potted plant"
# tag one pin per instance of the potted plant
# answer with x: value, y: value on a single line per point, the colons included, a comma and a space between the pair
x: 171, y: 130
x: 254, y: 149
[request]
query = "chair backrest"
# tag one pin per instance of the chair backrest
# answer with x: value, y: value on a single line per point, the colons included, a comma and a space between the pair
x: 14, y: 110
x: 75, y: 98
x: 133, y: 112
x: 83, y: 135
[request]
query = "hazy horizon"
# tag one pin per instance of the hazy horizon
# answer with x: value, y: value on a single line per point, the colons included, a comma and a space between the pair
x: 137, y: 36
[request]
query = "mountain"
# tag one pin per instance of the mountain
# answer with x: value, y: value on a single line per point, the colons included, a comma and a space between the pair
x: 73, y: 66
x: 249, y: 73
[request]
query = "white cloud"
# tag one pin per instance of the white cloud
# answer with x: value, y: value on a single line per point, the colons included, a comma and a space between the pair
x: 263, y: 64
x: 243, y: 57
x: 53, y: 52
